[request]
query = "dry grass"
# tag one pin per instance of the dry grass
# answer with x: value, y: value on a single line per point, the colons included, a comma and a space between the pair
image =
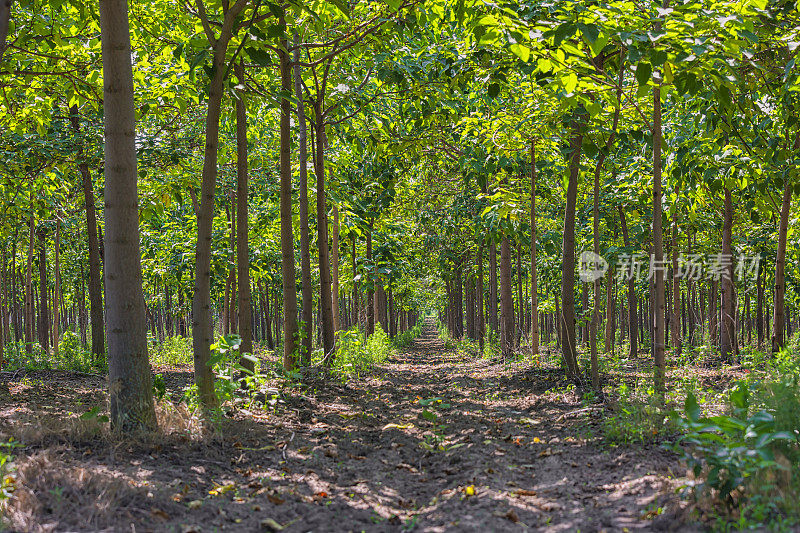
x: 56, y: 490
x: 51, y: 493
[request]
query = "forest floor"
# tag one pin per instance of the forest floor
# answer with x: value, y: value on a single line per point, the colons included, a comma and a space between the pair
x: 433, y: 440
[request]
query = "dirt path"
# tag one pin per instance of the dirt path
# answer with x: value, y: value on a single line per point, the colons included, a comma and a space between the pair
x: 431, y: 441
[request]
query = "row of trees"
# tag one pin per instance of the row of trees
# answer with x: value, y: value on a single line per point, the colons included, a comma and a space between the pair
x: 313, y: 166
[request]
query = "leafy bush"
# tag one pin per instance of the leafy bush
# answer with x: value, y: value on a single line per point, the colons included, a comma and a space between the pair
x: 72, y: 356
x: 739, y: 459
x: 635, y: 417
x: 355, y: 354
x: 406, y: 338
x: 174, y: 351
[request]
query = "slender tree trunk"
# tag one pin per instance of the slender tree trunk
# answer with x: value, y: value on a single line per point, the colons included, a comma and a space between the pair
x: 202, y: 322
x: 243, y: 229
x: 325, y: 300
x: 129, y: 378
x: 307, y: 307
x: 5, y: 17
x: 355, y: 303
x: 371, y: 284
x: 506, y: 300
x: 567, y: 319
x: 287, y: 234
x: 29, y: 330
x: 493, y: 288
x: 608, y: 343
x: 658, y: 251
x: 778, y: 317
x: 44, y: 318
x: 481, y: 323
x: 335, y: 269
x: 760, y: 306
x: 728, y: 331
x: 56, y: 292
x: 534, y: 236
x: 676, y: 293
x: 95, y: 278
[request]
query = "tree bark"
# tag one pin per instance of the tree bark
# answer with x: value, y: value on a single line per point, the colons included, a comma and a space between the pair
x: 129, y: 378
x: 287, y: 235
x: 44, y: 318
x: 5, y: 17
x: 481, y: 320
x: 243, y: 229
x: 567, y: 318
x: 727, y: 342
x: 506, y: 300
x: 534, y: 236
x: 493, y: 287
x: 95, y: 279
x: 307, y: 307
x: 29, y: 329
x: 202, y: 324
x: 658, y: 251
x: 335, y: 270
x: 676, y: 293
x: 778, y: 317
x: 56, y: 291
x: 325, y: 300
x: 371, y: 286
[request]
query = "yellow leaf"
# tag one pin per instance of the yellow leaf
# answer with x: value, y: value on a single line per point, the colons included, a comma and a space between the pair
x: 470, y: 490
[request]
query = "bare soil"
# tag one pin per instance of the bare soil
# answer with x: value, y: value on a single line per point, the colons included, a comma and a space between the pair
x: 431, y: 441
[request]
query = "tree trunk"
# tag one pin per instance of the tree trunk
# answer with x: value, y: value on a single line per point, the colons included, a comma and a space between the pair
x: 202, y: 323
x: 5, y: 17
x: 243, y: 229
x: 479, y: 305
x: 676, y: 293
x: 493, y: 287
x: 56, y: 291
x: 506, y: 300
x: 658, y: 251
x: 534, y: 236
x: 567, y: 318
x: 371, y: 286
x: 29, y: 330
x: 129, y: 378
x: 44, y: 318
x: 307, y: 307
x: 287, y: 235
x: 335, y: 270
x: 760, y: 305
x: 326, y: 305
x: 95, y: 279
x: 778, y: 318
x: 727, y: 341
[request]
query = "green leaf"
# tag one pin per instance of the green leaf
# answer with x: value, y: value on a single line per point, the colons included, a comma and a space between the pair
x: 644, y: 72
x: 692, y: 408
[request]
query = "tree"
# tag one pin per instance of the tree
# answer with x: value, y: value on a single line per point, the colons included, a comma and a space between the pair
x: 129, y: 379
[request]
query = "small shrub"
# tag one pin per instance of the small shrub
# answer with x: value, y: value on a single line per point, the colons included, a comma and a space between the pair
x: 635, y: 418
x: 174, y: 351
x: 355, y: 354
x: 739, y: 459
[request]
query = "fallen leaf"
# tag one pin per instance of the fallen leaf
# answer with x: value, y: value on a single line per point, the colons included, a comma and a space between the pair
x: 525, y: 492
x: 470, y: 490
x: 275, y: 499
x: 194, y: 504
x: 271, y: 525
x: 159, y: 513
x: 397, y: 426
